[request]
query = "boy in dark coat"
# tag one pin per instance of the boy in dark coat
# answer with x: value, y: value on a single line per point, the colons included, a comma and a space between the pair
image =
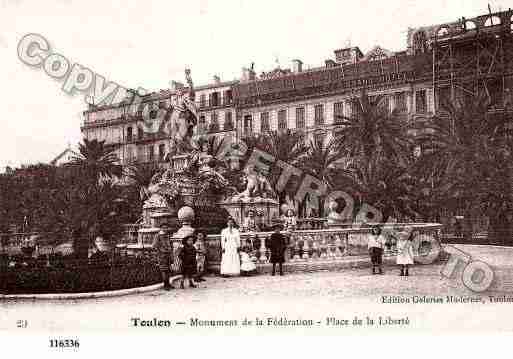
x: 162, y: 245
x: 189, y: 263
x: 277, y: 246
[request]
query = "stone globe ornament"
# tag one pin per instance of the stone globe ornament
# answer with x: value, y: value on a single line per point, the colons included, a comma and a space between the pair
x: 186, y: 217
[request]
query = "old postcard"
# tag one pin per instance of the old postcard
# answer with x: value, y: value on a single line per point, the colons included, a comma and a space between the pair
x: 255, y: 168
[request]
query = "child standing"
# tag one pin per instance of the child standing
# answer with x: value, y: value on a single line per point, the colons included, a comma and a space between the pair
x: 404, y: 252
x: 189, y: 264
x: 201, y: 253
x: 247, y: 266
x: 375, y: 245
x: 278, y: 245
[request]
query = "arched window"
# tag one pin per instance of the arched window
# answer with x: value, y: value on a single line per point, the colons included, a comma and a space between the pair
x: 511, y: 20
x: 493, y: 20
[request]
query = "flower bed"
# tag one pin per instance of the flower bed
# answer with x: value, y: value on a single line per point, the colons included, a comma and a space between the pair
x: 71, y: 276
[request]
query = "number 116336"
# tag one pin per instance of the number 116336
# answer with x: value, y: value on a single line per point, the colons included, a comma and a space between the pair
x: 64, y: 343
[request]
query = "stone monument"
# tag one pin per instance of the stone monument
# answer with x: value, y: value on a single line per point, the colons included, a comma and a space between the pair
x: 258, y: 198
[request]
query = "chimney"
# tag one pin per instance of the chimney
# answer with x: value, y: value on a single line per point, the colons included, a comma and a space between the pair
x: 248, y: 74
x: 297, y: 65
x: 217, y: 79
x: 348, y: 55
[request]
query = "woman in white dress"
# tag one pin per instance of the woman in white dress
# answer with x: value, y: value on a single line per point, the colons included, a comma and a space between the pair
x: 230, y: 245
x: 404, y: 252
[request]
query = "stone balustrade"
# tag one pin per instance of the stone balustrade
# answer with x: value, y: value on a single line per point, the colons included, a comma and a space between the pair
x: 321, y: 244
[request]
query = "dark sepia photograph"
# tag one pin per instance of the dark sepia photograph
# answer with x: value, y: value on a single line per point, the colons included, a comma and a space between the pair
x: 255, y: 168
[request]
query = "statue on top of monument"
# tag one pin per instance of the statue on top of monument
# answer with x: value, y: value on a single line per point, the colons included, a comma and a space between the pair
x: 183, y: 118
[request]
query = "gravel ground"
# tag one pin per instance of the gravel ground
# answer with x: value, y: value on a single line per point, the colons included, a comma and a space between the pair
x: 315, y: 296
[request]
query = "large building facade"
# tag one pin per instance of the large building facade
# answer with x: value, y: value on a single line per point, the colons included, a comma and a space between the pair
x: 439, y: 62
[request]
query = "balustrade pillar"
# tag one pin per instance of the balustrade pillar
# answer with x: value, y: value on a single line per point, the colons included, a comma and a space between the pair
x: 338, y: 244
x: 331, y: 245
x: 263, y: 250
x: 297, y: 250
x: 315, y: 249
x: 306, y: 248
x: 324, y: 248
x: 347, y: 252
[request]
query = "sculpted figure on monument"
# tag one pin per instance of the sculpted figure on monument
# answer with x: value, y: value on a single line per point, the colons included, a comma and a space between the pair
x: 163, y: 189
x: 257, y: 186
x: 183, y: 118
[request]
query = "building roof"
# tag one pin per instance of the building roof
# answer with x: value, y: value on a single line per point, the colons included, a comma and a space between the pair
x: 67, y: 151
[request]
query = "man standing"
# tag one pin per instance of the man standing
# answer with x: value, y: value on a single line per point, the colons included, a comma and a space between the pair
x: 277, y: 245
x: 162, y: 245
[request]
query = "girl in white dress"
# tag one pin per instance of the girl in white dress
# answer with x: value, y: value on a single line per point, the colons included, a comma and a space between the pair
x: 230, y: 245
x: 404, y: 252
x: 247, y: 264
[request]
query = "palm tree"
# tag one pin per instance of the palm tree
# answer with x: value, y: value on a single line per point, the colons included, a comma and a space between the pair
x: 286, y: 146
x: 373, y: 129
x: 321, y: 162
x: 80, y: 211
x: 140, y: 174
x: 381, y: 183
x: 95, y: 160
x: 465, y: 142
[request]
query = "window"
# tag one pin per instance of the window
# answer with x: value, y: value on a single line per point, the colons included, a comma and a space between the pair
x: 248, y: 125
x: 228, y: 122
x: 300, y: 117
x: 203, y: 100
x: 495, y: 92
x: 130, y: 156
x: 214, y: 123
x: 282, y: 119
x: 228, y: 97
x: 129, y: 134
x: 264, y: 122
x: 202, y: 124
x: 319, y: 115
x: 356, y: 111
x: 444, y: 97
x: 140, y: 133
x: 162, y: 151
x: 338, y: 111
x: 400, y: 102
x: 214, y: 99
x: 151, y: 153
x: 420, y: 101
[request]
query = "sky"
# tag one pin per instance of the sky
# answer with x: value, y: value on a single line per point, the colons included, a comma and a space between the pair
x: 149, y: 43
